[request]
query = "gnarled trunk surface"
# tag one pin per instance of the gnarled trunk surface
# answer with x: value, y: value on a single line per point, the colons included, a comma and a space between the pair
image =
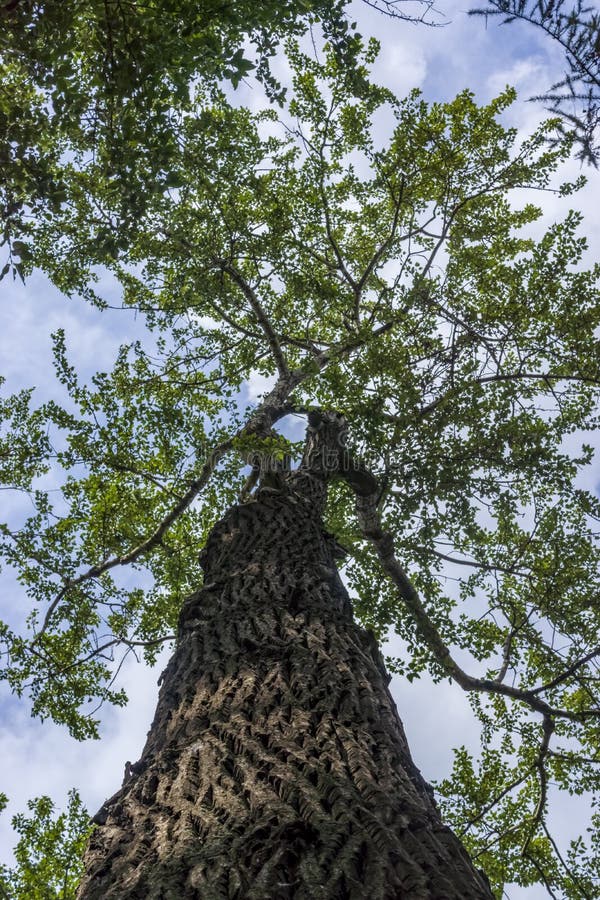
x: 276, y: 765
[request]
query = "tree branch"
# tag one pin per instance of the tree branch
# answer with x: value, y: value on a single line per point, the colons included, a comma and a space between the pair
x: 487, y: 567
x: 274, y: 406
x: 491, y: 379
x: 489, y: 806
x: 371, y: 527
x: 155, y: 538
x: 548, y: 729
x: 259, y: 312
x: 567, y: 672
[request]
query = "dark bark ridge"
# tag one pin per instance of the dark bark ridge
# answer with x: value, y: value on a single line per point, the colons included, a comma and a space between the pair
x: 276, y: 765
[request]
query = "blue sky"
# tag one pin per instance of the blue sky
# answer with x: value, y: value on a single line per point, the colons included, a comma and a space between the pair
x: 41, y: 758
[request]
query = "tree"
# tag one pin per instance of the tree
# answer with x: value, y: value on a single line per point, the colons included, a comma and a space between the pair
x: 393, y: 282
x: 116, y: 78
x: 276, y: 765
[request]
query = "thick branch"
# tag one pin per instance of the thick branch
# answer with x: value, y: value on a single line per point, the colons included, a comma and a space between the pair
x: 274, y: 406
x: 371, y: 527
x: 260, y: 314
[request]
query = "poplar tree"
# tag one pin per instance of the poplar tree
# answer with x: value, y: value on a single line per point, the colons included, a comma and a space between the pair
x: 443, y: 365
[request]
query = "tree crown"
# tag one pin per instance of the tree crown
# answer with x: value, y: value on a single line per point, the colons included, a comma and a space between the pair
x: 397, y: 280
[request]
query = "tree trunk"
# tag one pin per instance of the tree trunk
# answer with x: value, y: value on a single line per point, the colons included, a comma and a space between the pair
x: 276, y: 766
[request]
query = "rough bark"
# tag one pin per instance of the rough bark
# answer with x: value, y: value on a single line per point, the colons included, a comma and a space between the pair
x: 276, y: 765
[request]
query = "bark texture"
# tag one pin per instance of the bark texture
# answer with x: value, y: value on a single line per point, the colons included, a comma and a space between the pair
x: 276, y: 765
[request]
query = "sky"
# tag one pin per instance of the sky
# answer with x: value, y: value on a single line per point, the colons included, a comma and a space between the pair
x: 41, y: 758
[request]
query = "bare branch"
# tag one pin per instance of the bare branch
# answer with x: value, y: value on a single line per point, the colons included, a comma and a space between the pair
x: 391, y: 8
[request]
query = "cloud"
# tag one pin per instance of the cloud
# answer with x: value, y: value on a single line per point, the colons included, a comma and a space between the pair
x: 258, y: 385
x: 404, y: 63
x: 30, y: 314
x: 526, y: 75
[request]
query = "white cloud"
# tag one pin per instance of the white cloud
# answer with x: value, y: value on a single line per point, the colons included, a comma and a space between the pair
x: 30, y: 314
x: 526, y: 75
x: 258, y: 385
x: 404, y: 64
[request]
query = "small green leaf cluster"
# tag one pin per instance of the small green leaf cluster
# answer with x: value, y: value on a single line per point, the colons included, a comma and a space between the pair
x: 115, y: 82
x: 48, y: 853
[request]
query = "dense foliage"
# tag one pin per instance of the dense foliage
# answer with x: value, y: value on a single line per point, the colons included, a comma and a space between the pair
x: 110, y: 78
x: 389, y: 272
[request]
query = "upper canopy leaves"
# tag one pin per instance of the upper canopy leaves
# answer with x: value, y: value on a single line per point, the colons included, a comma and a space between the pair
x: 109, y: 79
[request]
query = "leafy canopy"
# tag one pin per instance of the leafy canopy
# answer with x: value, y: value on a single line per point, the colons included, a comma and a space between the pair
x: 110, y: 78
x: 394, y: 278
